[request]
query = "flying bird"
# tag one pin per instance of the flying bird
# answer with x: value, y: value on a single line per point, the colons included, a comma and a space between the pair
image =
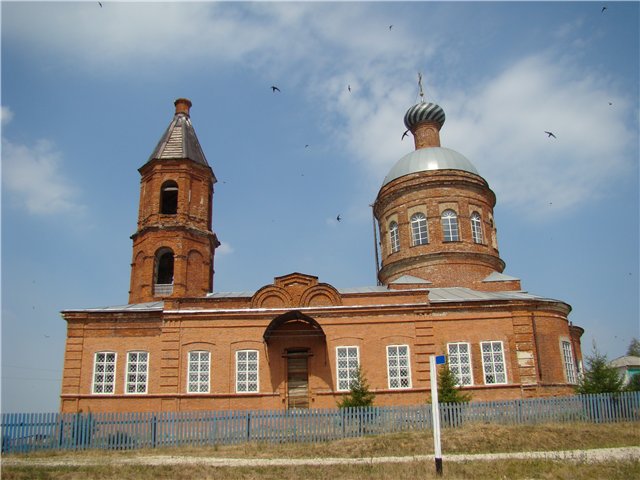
x: 390, y: 27
x: 306, y: 146
x: 349, y: 87
x: 274, y: 89
x: 550, y: 134
x: 100, y: 4
x: 338, y: 218
x: 603, y: 9
x: 610, y: 103
x: 405, y: 134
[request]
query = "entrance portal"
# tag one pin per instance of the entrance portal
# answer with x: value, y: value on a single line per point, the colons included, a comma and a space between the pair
x: 297, y: 379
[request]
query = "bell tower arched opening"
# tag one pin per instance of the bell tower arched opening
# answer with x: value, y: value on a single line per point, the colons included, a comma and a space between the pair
x: 169, y: 198
x: 163, y: 275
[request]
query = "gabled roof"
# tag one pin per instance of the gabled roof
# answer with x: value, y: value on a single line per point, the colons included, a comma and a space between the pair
x: 499, y: 277
x: 625, y: 361
x: 179, y: 142
x: 409, y: 279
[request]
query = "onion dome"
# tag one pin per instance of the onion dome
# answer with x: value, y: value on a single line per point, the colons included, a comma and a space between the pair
x: 424, y: 112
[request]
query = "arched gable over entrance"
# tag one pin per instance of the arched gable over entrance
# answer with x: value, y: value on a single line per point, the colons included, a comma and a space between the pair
x: 291, y: 325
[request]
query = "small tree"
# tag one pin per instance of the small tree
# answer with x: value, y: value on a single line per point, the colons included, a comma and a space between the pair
x: 634, y: 348
x: 448, y: 390
x: 359, y: 394
x: 634, y: 383
x: 599, y: 376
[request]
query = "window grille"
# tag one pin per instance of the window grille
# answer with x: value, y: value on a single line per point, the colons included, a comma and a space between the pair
x: 347, y: 366
x: 460, y: 362
x: 476, y: 228
x: 569, y: 364
x: 137, y: 371
x: 104, y: 372
x: 450, y: 231
x: 493, y: 363
x: 246, y: 371
x: 394, y: 237
x: 398, y: 367
x: 419, y: 231
x: 198, y: 372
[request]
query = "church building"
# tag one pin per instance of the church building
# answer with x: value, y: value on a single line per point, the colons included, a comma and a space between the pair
x: 180, y: 345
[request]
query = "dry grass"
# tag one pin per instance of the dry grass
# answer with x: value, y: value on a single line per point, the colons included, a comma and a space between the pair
x: 511, y: 469
x: 469, y: 439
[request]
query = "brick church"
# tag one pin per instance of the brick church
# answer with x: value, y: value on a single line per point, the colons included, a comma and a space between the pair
x: 295, y: 343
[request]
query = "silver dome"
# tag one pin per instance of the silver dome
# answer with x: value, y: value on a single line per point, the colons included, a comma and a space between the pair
x: 432, y: 158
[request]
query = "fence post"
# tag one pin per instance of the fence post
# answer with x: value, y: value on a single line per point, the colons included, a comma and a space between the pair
x: 248, y: 425
x: 154, y: 428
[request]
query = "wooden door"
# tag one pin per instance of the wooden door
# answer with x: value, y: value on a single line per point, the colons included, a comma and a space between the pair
x: 297, y: 382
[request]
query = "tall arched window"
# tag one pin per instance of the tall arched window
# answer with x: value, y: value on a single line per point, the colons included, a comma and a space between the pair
x: 169, y: 198
x: 419, y: 231
x: 476, y: 227
x: 450, y: 226
x: 163, y: 282
x: 394, y: 237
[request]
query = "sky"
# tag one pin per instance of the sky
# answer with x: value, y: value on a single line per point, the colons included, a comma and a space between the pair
x: 88, y: 90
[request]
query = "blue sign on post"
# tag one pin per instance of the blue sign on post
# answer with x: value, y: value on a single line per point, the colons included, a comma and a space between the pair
x: 440, y: 360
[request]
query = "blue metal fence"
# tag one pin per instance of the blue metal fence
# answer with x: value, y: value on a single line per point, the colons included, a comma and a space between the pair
x: 26, y: 432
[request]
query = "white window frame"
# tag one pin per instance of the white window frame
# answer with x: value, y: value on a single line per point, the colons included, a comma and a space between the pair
x: 396, y: 371
x: 394, y: 237
x: 201, y: 368
x: 450, y: 229
x: 476, y: 228
x: 137, y: 373
x: 457, y: 360
x: 351, y: 371
x: 419, y: 229
x: 569, y: 362
x: 103, y: 367
x: 491, y: 366
x: 245, y: 367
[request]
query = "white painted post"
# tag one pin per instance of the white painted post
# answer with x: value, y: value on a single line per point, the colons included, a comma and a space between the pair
x: 435, y: 414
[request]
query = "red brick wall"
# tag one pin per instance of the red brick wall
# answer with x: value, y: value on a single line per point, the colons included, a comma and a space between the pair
x: 460, y: 263
x: 532, y: 356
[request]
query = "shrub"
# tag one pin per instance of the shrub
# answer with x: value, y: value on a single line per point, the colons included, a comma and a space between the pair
x: 448, y: 390
x: 359, y: 394
x: 599, y: 376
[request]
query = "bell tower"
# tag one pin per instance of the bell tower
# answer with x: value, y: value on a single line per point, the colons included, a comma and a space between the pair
x: 174, y: 245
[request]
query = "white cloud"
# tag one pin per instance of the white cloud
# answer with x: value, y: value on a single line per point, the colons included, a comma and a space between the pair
x: 33, y: 178
x: 500, y: 127
x: 224, y: 249
x: 6, y: 115
x: 497, y: 121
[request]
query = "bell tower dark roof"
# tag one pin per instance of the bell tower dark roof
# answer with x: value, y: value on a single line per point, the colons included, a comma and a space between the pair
x: 179, y: 141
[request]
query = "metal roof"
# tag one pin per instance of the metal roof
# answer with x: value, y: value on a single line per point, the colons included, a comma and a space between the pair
x: 132, y: 307
x: 463, y: 294
x: 499, y: 277
x: 409, y: 279
x: 179, y: 141
x: 625, y: 361
x: 435, y: 295
x: 431, y: 158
